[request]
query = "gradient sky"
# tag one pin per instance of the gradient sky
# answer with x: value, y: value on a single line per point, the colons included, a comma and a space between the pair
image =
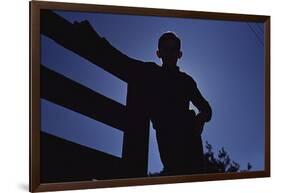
x: 225, y: 58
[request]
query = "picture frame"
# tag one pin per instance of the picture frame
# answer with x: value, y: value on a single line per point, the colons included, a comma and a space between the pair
x: 49, y: 85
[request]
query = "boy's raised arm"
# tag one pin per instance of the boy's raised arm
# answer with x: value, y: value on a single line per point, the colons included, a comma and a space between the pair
x: 81, y: 38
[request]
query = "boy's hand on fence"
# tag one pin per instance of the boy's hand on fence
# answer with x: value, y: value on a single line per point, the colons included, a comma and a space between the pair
x: 86, y: 30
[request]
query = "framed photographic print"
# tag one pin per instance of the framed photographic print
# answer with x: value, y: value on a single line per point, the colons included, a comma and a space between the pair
x: 123, y: 96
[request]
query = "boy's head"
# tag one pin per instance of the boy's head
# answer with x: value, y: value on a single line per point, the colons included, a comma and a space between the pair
x: 169, y: 49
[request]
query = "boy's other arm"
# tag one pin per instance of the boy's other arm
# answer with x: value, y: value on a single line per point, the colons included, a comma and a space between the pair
x: 204, y: 108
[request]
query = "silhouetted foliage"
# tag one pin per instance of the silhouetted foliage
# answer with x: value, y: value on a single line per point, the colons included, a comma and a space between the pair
x: 216, y: 164
x: 221, y: 163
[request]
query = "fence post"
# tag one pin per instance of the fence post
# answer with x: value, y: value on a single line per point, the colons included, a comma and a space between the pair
x: 136, y: 137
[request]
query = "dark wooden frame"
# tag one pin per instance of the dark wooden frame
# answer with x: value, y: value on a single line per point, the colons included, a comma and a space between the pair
x: 34, y: 174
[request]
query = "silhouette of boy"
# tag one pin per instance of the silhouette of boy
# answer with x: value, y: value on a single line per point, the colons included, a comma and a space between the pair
x: 178, y: 129
x: 167, y: 93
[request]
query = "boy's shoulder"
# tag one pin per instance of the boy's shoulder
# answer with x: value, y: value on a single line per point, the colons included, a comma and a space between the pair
x: 188, y: 79
x: 154, y: 68
x: 152, y: 65
x: 151, y: 68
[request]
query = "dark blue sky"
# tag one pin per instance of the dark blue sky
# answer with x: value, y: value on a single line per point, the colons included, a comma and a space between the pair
x: 225, y: 58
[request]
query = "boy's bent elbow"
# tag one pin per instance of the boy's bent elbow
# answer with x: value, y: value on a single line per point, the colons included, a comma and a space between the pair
x: 206, y: 112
